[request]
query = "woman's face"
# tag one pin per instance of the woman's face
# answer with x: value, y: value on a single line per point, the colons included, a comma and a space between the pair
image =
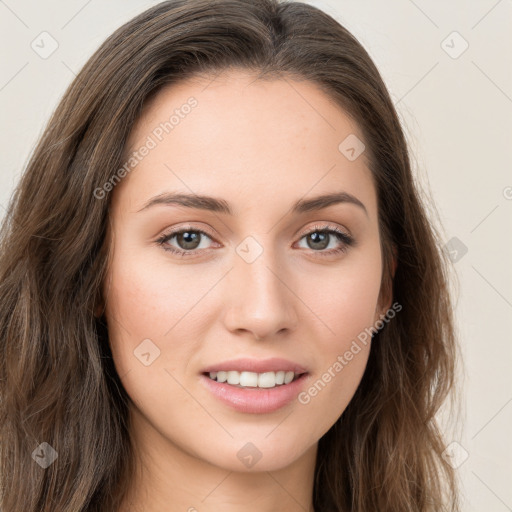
x: 263, y: 290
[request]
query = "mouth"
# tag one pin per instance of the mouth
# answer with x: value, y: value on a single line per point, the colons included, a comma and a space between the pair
x: 255, y: 386
x: 251, y: 392
x: 245, y: 379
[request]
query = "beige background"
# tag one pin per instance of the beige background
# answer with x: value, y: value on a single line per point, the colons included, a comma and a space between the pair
x: 456, y: 107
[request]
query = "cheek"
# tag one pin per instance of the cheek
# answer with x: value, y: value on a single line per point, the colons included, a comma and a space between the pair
x: 156, y: 302
x: 342, y: 357
x: 353, y: 304
x: 154, y: 331
x: 328, y: 393
x: 346, y: 305
x: 344, y: 300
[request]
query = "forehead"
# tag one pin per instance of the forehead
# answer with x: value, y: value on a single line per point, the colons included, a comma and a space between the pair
x: 252, y: 140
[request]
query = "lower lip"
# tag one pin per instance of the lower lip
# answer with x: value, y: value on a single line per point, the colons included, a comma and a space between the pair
x: 255, y: 400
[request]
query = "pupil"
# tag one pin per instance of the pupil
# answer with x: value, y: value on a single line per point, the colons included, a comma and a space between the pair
x: 324, y: 240
x: 185, y: 236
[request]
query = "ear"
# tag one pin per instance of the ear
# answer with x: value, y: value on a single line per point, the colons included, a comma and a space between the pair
x: 98, y: 310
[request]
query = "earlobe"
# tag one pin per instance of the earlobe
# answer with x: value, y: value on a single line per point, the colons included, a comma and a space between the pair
x: 98, y: 310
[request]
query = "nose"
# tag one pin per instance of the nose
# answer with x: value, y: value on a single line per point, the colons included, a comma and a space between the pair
x: 259, y: 298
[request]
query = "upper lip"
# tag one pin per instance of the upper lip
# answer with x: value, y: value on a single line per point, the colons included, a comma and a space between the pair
x: 273, y: 364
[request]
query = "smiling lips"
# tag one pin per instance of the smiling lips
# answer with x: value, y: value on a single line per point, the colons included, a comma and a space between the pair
x: 255, y: 373
x: 255, y: 386
x: 253, y: 379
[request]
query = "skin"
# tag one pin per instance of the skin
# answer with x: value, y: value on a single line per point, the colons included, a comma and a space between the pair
x: 260, y: 146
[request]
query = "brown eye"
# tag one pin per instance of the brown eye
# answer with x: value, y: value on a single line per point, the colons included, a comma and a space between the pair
x: 319, y: 239
x: 186, y: 241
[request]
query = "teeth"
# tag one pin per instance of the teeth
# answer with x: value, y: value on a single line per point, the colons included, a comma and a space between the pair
x: 248, y: 379
x: 288, y: 377
x: 252, y: 379
x: 280, y: 377
x: 267, y: 380
x: 233, y: 378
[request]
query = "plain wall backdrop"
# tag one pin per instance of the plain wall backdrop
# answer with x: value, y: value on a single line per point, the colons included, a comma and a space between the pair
x: 448, y: 68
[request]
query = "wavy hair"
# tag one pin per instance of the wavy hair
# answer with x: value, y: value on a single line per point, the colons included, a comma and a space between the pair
x: 58, y: 384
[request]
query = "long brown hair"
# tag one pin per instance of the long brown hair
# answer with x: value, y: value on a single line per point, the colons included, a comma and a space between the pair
x: 58, y: 382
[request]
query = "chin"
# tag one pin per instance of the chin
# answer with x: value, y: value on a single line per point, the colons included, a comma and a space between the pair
x: 259, y: 453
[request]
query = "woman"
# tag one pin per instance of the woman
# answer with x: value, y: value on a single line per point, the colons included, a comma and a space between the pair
x: 220, y: 289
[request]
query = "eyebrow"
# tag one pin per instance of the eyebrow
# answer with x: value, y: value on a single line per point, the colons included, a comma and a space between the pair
x: 218, y: 205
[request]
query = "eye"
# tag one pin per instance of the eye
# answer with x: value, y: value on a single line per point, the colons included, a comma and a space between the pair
x: 320, y: 237
x: 188, y: 240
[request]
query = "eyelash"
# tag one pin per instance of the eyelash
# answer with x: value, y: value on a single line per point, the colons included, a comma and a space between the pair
x: 345, y: 239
